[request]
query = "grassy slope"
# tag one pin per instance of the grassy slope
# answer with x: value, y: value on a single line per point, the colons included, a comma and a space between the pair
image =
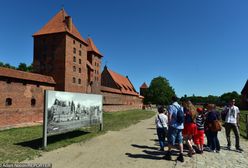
x: 25, y: 143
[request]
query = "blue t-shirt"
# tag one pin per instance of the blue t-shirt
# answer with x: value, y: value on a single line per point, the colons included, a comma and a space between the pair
x: 173, y: 111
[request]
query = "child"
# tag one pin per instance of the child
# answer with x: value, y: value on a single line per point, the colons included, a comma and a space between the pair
x: 199, y: 136
x: 161, y: 122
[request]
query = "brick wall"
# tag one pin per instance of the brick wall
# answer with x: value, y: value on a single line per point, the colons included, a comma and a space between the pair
x: 21, y: 111
x: 76, y: 57
x: 49, y: 57
x: 117, y: 102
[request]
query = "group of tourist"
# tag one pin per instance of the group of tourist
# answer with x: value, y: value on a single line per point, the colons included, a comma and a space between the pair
x: 187, y: 125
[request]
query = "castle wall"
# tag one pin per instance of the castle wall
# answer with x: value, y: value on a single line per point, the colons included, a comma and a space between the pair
x: 118, y: 102
x: 27, y: 102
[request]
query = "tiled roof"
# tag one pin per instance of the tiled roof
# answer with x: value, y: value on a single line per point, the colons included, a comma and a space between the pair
x: 58, y: 25
x: 92, y: 47
x: 144, y: 86
x: 12, y: 73
x: 124, y: 83
x: 245, y: 88
x: 108, y: 89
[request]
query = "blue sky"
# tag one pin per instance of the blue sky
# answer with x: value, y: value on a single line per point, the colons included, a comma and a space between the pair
x: 200, y: 46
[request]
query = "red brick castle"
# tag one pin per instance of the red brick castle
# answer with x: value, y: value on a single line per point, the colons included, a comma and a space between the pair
x: 62, y: 61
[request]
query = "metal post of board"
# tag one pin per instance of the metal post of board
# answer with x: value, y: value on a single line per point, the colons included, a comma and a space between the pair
x: 101, y: 126
x: 45, y: 120
x: 101, y: 123
x: 246, y: 123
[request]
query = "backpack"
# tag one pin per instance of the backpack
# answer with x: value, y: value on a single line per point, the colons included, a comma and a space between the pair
x: 223, y: 114
x: 180, y: 115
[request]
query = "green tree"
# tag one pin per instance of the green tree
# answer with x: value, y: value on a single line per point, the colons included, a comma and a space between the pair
x: 159, y: 91
x: 22, y: 67
x: 226, y: 97
x: 30, y: 68
x: 7, y: 65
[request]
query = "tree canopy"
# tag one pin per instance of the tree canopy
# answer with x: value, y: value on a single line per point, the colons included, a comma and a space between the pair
x: 159, y: 92
x: 218, y: 100
x: 21, y: 67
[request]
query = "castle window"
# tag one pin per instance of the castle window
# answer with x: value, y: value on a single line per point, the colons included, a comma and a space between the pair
x: 38, y: 85
x: 33, y: 102
x: 80, y: 53
x: 79, y: 61
x: 73, y: 80
x: 8, y: 102
x: 74, y: 50
x: 74, y: 42
x: 74, y: 68
x: 80, y: 45
x: 74, y: 59
x: 79, y: 70
x: 79, y: 81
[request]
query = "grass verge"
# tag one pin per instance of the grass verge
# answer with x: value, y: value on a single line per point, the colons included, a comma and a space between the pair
x: 25, y: 143
x: 243, y: 124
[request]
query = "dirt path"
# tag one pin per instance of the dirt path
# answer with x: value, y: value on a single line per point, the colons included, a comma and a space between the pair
x: 135, y: 147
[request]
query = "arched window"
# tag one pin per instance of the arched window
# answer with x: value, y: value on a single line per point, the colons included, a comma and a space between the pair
x: 33, y: 102
x: 8, y: 102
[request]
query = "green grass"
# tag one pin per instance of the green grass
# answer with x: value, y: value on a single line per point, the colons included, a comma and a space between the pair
x: 243, y: 124
x: 25, y: 143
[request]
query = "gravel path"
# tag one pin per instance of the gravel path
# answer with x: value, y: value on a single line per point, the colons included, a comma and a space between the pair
x: 136, y: 147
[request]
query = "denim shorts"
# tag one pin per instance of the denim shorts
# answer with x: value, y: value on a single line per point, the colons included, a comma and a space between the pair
x: 173, y: 135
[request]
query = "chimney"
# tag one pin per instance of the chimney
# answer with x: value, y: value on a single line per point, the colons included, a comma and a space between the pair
x: 68, y: 22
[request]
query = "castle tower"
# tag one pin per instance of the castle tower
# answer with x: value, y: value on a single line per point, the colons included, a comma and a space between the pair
x: 143, y: 89
x: 61, y: 52
x: 93, y: 68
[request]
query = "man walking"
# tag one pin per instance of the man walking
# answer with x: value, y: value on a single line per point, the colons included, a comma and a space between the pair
x: 175, y: 129
x: 232, y: 123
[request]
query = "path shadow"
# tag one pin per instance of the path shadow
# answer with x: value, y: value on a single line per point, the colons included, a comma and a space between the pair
x: 143, y: 156
x: 156, y: 140
x: 37, y: 143
x: 148, y: 153
x: 144, y: 147
x: 225, y: 148
x: 151, y: 128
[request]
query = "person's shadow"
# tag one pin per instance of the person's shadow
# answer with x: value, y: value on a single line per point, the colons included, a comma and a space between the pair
x: 148, y: 152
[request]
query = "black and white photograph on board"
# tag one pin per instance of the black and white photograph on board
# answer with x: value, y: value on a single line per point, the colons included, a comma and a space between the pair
x: 67, y: 111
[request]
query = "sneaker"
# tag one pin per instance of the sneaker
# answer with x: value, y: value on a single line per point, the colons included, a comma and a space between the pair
x: 228, y: 147
x: 190, y: 154
x: 167, y: 156
x: 180, y: 157
x: 217, y: 151
x: 161, y: 149
x: 207, y: 149
x: 239, y: 149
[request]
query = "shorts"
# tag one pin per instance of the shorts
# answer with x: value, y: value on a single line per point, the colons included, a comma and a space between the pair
x: 199, y: 137
x: 173, y: 135
x: 189, y: 129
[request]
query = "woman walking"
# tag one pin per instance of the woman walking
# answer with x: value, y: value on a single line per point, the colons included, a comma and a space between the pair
x: 211, y: 120
x: 161, y: 122
x: 189, y: 125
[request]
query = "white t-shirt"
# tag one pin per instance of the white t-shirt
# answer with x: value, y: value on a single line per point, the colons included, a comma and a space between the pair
x: 232, y: 113
x: 164, y: 120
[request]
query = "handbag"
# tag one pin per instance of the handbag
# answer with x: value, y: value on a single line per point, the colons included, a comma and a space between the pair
x: 215, y: 126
